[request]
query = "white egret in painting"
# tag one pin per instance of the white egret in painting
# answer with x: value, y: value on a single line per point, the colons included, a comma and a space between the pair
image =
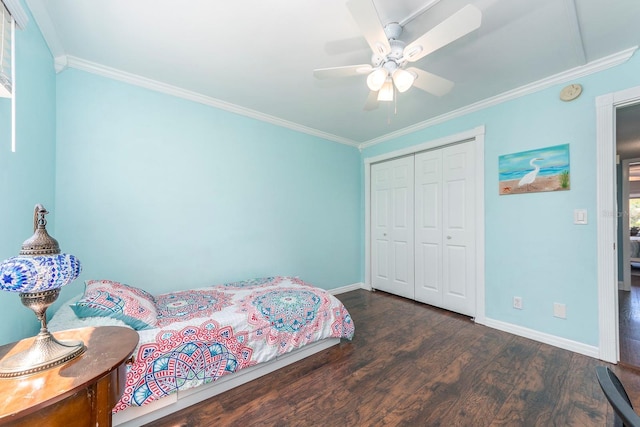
x: 531, y: 176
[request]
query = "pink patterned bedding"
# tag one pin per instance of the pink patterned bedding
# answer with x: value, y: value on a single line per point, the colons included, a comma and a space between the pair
x: 203, y: 334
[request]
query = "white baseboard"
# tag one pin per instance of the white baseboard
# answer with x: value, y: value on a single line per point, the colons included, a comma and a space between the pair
x: 348, y: 288
x: 566, y: 344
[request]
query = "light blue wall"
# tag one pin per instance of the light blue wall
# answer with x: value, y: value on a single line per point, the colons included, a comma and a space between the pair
x: 532, y: 248
x: 166, y: 194
x: 26, y: 176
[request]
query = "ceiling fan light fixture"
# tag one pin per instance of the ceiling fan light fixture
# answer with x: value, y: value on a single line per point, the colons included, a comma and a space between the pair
x: 403, y: 79
x: 386, y: 91
x: 376, y: 79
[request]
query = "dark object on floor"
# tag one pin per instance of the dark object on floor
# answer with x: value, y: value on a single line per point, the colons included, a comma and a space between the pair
x: 617, y: 397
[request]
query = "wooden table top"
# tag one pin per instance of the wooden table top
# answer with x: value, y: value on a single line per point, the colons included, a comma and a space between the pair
x: 108, y: 347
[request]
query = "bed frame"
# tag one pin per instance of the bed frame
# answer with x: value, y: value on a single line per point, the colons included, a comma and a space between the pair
x: 138, y: 415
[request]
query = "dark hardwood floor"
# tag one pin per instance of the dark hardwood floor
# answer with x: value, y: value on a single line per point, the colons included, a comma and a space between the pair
x: 629, y: 323
x: 415, y: 365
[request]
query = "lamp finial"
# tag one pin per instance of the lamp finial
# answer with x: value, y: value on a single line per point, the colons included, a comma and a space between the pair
x: 41, y: 243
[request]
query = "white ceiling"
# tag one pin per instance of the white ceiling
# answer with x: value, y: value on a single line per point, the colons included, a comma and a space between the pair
x: 257, y: 57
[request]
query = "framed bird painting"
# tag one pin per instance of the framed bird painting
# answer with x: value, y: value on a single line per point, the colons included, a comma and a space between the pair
x: 533, y: 171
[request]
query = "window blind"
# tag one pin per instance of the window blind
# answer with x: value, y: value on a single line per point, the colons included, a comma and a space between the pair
x: 6, y: 34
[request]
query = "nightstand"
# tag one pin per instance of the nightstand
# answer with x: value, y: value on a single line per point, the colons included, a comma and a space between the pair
x: 79, y: 393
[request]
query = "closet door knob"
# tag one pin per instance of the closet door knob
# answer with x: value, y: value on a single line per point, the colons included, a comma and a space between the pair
x: 448, y: 237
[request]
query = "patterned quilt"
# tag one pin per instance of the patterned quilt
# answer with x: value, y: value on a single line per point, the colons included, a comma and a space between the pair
x: 203, y: 334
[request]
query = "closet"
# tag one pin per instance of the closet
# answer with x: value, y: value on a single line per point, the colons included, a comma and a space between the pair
x: 423, y: 227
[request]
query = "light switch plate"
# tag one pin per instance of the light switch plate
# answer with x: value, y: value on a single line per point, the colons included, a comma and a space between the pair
x: 580, y: 216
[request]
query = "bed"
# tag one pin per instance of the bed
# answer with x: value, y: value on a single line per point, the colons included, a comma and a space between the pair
x: 200, y: 342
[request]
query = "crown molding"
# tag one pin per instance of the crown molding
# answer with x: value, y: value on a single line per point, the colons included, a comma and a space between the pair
x: 565, y: 76
x: 134, y: 79
x: 17, y: 12
x: 62, y: 61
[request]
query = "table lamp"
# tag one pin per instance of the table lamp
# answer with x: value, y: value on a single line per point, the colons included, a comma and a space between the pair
x: 38, y: 273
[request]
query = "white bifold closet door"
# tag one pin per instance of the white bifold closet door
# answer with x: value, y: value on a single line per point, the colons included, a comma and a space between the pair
x: 444, y: 228
x: 423, y: 234
x: 392, y: 231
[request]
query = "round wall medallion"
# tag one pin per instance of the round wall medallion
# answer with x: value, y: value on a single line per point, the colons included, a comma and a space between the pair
x: 571, y: 92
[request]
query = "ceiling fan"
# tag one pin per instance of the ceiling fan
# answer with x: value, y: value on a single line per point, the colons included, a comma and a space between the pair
x: 391, y: 55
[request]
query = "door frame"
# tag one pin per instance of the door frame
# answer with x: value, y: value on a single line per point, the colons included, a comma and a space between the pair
x: 607, y: 219
x: 477, y: 136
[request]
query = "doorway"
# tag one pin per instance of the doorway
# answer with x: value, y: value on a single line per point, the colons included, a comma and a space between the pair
x: 607, y: 224
x: 628, y: 200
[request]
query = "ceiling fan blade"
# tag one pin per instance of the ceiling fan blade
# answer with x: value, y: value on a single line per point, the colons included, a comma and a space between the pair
x: 347, y: 71
x: 431, y: 83
x: 372, y: 101
x: 457, y: 25
x: 365, y: 14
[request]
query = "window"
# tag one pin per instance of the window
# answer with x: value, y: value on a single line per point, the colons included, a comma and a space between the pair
x: 634, y: 216
x: 7, y: 30
x: 12, y: 14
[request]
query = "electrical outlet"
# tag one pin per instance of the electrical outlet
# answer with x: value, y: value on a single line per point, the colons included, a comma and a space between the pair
x: 517, y: 303
x: 559, y: 310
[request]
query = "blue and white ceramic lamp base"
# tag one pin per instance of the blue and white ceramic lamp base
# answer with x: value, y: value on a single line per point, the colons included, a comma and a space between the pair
x: 38, y: 279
